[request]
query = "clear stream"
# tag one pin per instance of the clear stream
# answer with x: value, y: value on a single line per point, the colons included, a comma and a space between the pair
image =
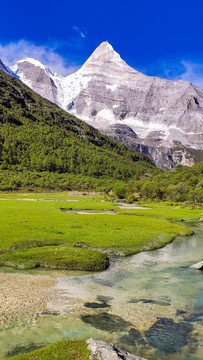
x: 150, y: 303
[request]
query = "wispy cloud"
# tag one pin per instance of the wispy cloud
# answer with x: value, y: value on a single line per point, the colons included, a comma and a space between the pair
x: 185, y: 70
x: 193, y: 72
x: 21, y: 49
x: 82, y: 32
x: 175, y: 69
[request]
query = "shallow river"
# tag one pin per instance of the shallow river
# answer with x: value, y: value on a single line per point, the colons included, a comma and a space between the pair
x: 150, y: 303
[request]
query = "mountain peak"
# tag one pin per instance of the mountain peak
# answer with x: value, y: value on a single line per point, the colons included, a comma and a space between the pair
x: 104, y: 51
x: 105, y: 59
x: 105, y: 45
x: 32, y: 62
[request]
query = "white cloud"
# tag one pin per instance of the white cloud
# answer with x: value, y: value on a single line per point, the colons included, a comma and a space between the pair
x: 82, y: 32
x: 175, y: 69
x: 12, y: 52
x: 193, y: 72
x: 183, y: 70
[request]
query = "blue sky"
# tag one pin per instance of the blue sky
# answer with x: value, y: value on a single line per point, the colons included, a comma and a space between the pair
x: 162, y: 38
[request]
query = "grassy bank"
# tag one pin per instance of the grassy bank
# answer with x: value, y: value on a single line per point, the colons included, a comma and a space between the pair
x: 61, y: 350
x: 56, y: 257
x: 52, y: 238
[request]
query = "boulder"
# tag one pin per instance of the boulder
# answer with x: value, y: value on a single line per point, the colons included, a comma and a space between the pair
x: 197, y: 266
x: 201, y: 220
x: 102, y: 350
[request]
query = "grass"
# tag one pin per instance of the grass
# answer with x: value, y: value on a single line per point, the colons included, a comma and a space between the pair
x: 61, y: 350
x: 168, y: 211
x: 26, y: 224
x: 56, y: 257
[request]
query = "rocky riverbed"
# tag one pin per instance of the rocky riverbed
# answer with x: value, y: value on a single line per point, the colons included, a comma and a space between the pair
x: 23, y: 296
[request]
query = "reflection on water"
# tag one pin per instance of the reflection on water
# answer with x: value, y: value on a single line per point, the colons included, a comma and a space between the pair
x: 150, y: 303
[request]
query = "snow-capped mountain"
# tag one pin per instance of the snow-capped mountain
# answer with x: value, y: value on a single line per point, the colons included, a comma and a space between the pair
x: 162, y: 118
x: 39, y: 77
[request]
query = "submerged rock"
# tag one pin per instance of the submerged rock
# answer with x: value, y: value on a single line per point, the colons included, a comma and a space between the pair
x: 95, y: 305
x: 103, y: 302
x: 151, y: 301
x: 104, y: 282
x: 180, y: 312
x: 21, y: 349
x: 106, y: 322
x: 133, y: 337
x: 104, y: 298
x: 197, y: 266
x: 52, y: 313
x: 102, y: 350
x: 167, y: 336
x: 196, y: 316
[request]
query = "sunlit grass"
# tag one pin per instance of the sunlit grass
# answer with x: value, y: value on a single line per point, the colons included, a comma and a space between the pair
x: 26, y: 224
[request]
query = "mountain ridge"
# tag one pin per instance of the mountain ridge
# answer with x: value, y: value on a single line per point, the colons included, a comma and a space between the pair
x: 166, y: 116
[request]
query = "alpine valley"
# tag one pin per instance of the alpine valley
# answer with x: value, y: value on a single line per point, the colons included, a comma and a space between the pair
x: 74, y: 202
x: 160, y: 118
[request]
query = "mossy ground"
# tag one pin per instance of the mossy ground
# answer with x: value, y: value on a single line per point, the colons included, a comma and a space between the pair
x: 61, y: 350
x: 56, y: 257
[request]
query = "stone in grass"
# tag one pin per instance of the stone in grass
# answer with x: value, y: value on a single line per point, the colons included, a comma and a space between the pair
x: 102, y: 350
x: 201, y: 220
x: 197, y: 266
x: 106, y: 322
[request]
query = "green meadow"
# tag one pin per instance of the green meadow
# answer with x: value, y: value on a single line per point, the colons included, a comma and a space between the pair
x: 52, y: 234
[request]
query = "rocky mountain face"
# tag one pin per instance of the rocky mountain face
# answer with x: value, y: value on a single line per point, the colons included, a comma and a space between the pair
x: 39, y: 78
x: 160, y: 118
x: 6, y: 69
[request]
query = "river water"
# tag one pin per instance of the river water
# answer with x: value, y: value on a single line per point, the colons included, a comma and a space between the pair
x: 150, y: 303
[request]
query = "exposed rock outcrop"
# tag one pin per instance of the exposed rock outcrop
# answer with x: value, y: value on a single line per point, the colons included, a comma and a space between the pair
x: 102, y: 350
x: 197, y: 266
x: 163, y: 157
